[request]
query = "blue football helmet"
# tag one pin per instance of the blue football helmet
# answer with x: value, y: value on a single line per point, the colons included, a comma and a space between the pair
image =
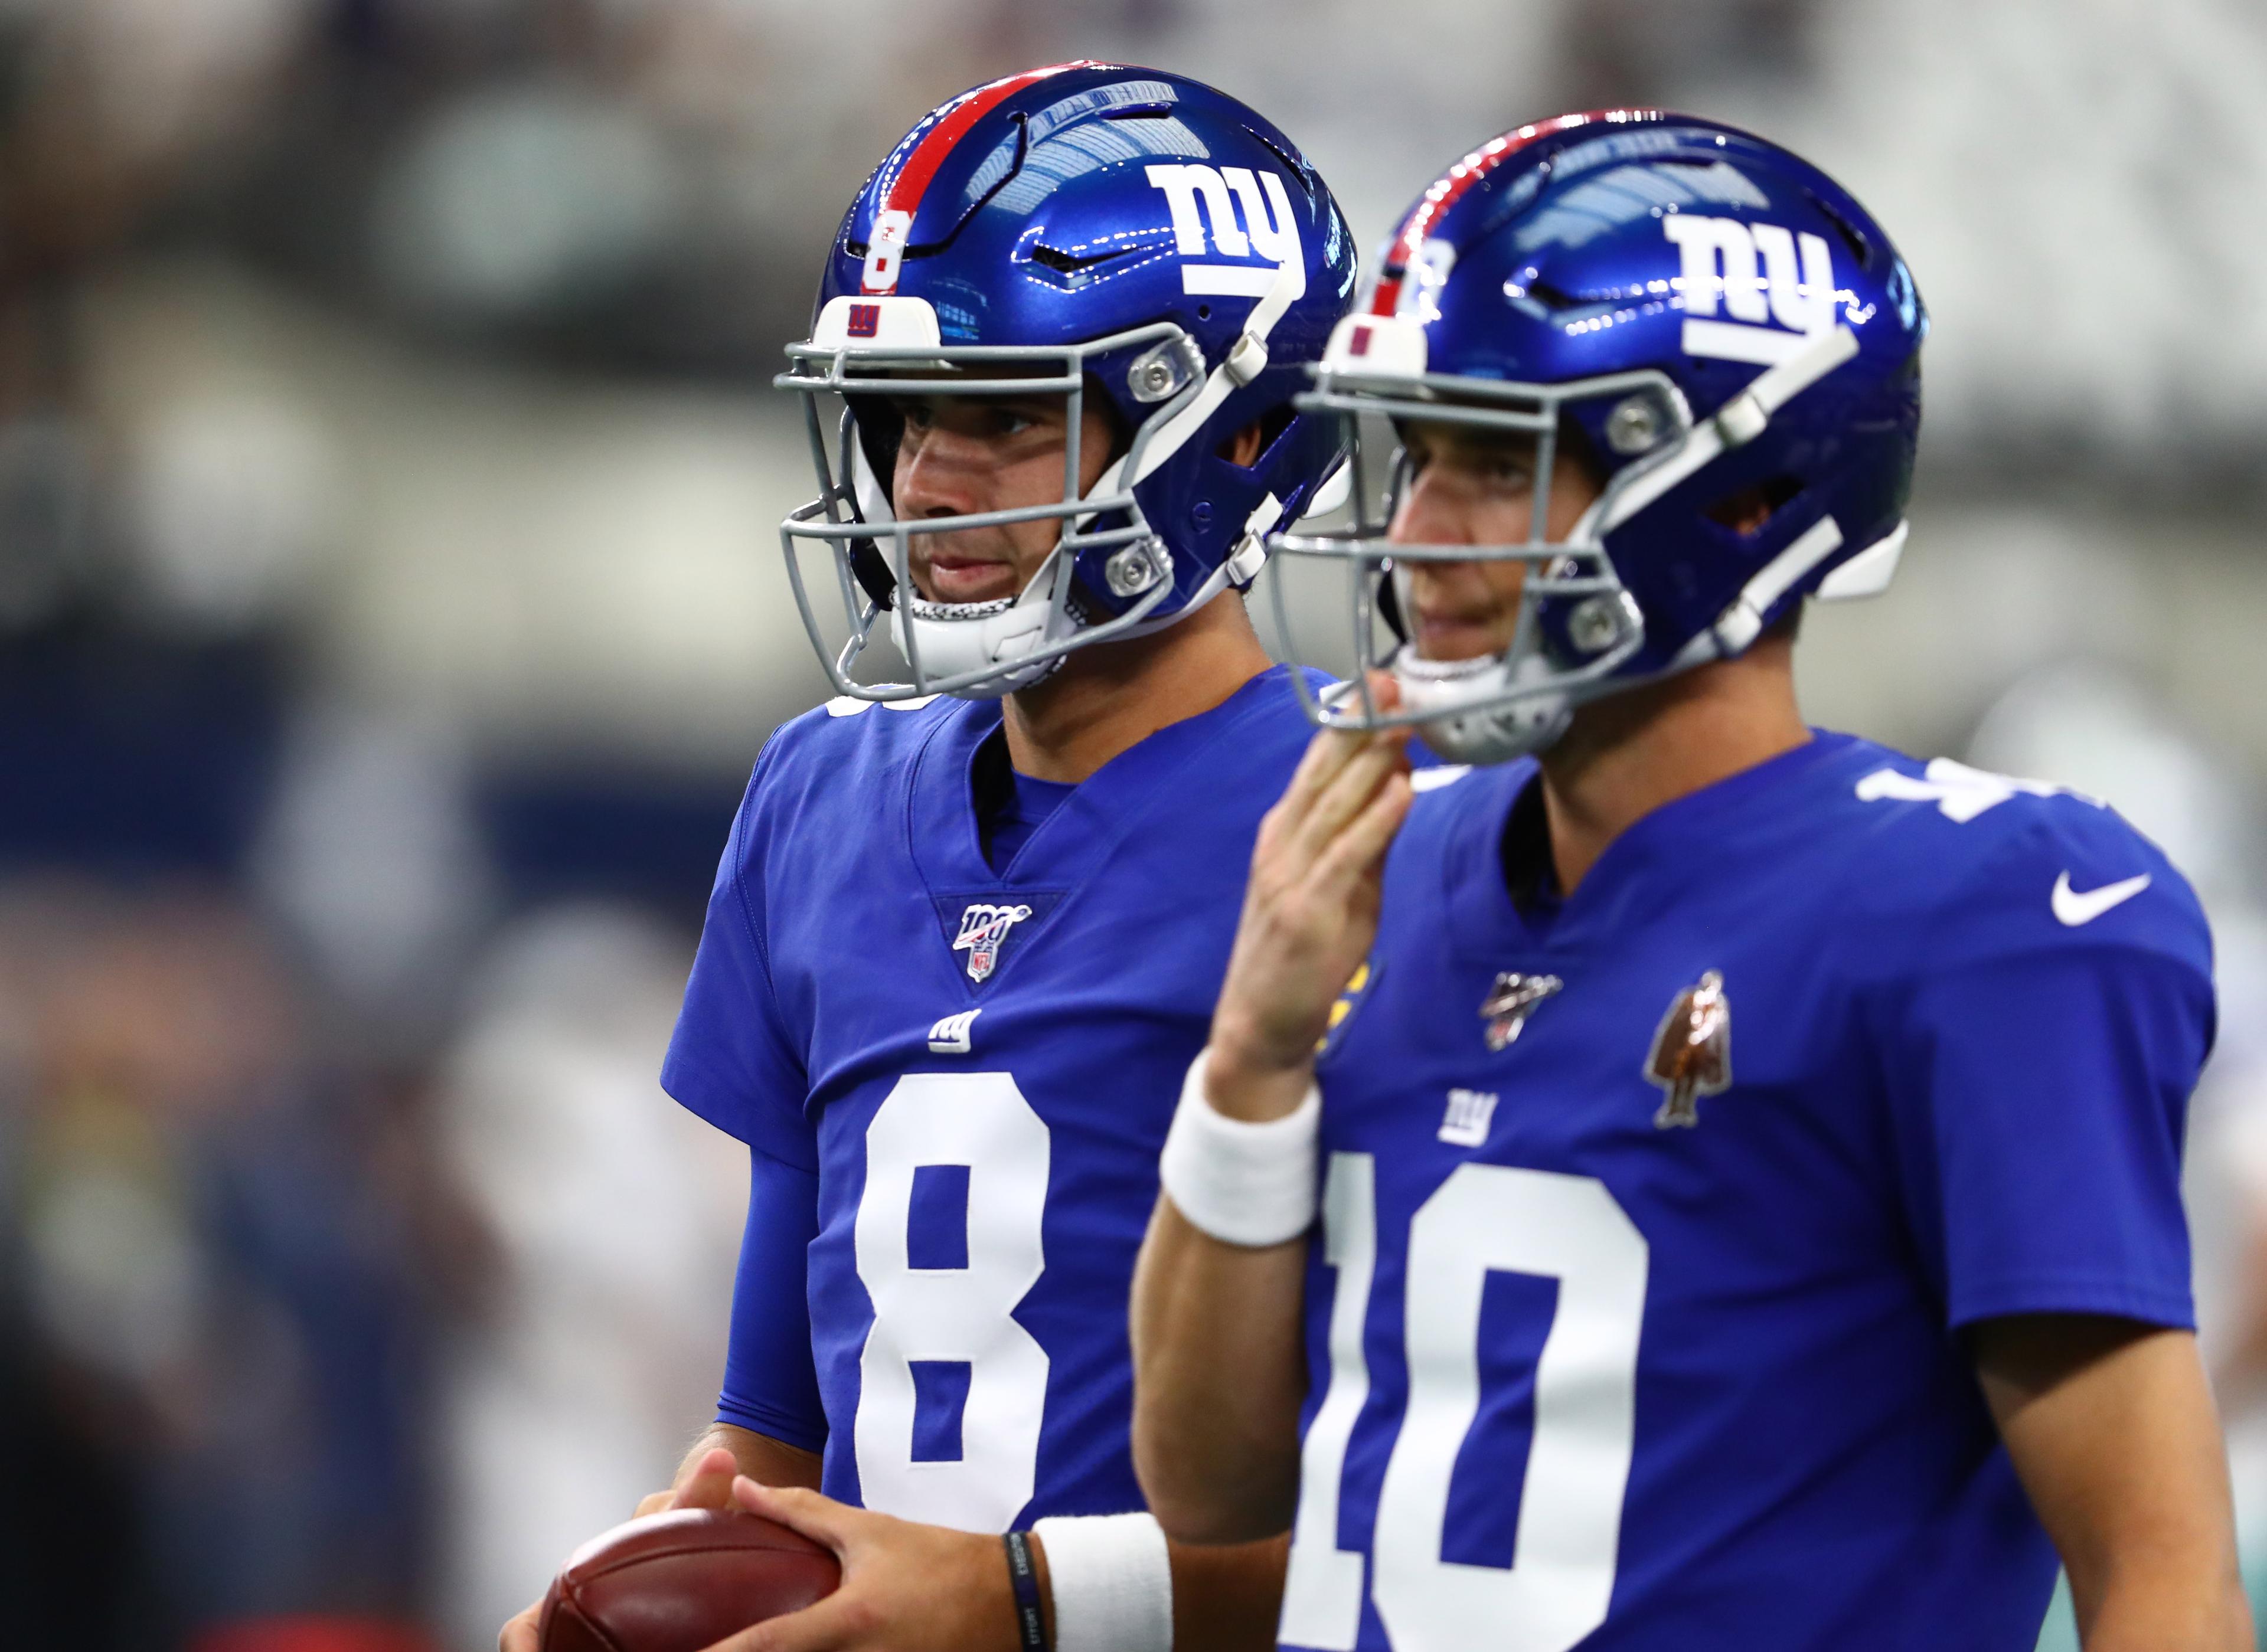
x: 1710, y: 319
x: 1080, y: 230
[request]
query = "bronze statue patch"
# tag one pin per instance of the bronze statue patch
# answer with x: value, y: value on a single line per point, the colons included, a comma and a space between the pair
x: 1692, y: 1052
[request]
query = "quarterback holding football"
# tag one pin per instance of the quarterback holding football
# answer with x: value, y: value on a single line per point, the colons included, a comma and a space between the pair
x: 969, y: 928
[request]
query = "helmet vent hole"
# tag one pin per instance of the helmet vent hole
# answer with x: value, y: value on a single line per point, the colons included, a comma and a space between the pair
x: 1750, y: 511
x: 1070, y: 263
x: 1292, y: 164
x: 1861, y: 247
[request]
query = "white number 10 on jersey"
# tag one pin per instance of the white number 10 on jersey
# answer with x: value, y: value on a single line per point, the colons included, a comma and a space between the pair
x: 1484, y: 1218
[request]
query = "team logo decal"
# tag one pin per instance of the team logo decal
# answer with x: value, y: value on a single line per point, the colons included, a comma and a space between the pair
x: 1776, y: 289
x: 1201, y: 197
x: 1510, y: 1001
x: 1465, y: 1122
x: 954, y: 1035
x: 1691, y: 1052
x: 983, y: 931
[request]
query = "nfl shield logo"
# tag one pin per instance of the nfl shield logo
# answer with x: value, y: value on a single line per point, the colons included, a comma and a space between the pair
x: 983, y: 930
x: 865, y: 320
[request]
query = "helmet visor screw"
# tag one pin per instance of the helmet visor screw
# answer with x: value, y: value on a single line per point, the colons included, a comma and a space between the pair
x: 1159, y: 371
x: 1633, y: 426
x: 1132, y: 570
x: 1595, y: 624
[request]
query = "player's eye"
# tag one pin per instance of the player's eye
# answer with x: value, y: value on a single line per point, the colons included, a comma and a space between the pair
x: 917, y: 415
x: 1010, y: 420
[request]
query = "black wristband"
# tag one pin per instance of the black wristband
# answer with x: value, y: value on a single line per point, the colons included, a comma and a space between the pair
x: 1023, y: 1578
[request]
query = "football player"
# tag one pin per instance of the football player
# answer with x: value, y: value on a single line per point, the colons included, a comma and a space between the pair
x: 960, y: 947
x: 1747, y: 1159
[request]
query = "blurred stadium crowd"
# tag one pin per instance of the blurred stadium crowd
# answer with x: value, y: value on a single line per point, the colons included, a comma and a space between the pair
x: 390, y: 608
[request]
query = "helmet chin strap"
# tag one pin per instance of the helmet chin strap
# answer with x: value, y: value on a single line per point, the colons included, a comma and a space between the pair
x: 1492, y: 734
x: 1468, y: 728
x: 955, y: 638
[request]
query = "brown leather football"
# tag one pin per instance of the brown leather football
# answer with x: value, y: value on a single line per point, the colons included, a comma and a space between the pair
x: 682, y: 1581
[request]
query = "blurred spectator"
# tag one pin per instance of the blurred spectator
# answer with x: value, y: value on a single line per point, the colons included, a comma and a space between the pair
x: 218, y: 1278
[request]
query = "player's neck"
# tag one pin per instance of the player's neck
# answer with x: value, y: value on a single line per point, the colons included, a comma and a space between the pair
x: 1626, y: 756
x: 1106, y: 699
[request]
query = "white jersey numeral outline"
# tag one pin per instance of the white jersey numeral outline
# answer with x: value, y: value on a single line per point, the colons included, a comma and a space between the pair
x: 1483, y: 1219
x: 981, y: 1120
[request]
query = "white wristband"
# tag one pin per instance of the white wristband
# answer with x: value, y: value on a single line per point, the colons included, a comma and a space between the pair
x: 1112, y: 1580
x: 1243, y: 1183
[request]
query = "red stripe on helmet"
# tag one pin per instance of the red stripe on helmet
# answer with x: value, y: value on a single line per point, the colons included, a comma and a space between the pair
x: 912, y: 179
x: 1450, y: 186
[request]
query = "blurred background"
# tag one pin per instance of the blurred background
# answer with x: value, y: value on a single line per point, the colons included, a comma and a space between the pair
x: 390, y: 608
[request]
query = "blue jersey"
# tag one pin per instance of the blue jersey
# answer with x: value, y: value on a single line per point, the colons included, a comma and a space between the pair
x: 973, y: 1071
x: 1652, y: 1215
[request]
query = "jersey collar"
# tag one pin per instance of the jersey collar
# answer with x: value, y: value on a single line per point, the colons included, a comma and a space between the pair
x: 1681, y: 839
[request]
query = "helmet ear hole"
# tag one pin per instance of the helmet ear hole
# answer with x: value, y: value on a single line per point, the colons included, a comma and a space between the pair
x: 1271, y: 425
x: 1748, y: 511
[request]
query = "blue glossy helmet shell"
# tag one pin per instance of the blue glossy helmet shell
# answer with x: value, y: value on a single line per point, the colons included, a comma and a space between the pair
x: 1091, y: 228
x: 1710, y: 319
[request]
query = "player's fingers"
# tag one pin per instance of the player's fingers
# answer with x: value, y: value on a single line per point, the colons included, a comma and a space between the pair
x: 1356, y: 778
x: 1327, y: 753
x: 709, y: 1486
x: 1349, y: 793
x: 518, y: 1635
x: 819, y: 1518
x: 1355, y: 853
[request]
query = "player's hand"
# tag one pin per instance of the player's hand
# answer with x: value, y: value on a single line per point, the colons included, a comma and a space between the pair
x: 1310, y: 913
x: 905, y: 1587
x: 709, y: 1486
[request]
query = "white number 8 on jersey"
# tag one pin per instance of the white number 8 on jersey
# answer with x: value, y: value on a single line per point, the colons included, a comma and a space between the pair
x: 981, y: 1120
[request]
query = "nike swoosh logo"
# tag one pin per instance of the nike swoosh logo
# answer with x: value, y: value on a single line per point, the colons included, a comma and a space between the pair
x: 2074, y: 907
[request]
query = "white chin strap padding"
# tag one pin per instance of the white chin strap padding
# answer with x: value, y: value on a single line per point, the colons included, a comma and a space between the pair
x: 1460, y: 723
x: 957, y: 638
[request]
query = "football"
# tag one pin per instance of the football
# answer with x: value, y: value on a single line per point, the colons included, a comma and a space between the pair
x: 682, y: 1581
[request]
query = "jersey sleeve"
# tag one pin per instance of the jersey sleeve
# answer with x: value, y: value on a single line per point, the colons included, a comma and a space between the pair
x: 2039, y: 1072
x: 771, y: 1383
x: 731, y: 1059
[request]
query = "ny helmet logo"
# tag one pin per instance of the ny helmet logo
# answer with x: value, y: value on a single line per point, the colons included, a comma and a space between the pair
x: 1200, y: 196
x: 983, y: 931
x: 1777, y: 288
